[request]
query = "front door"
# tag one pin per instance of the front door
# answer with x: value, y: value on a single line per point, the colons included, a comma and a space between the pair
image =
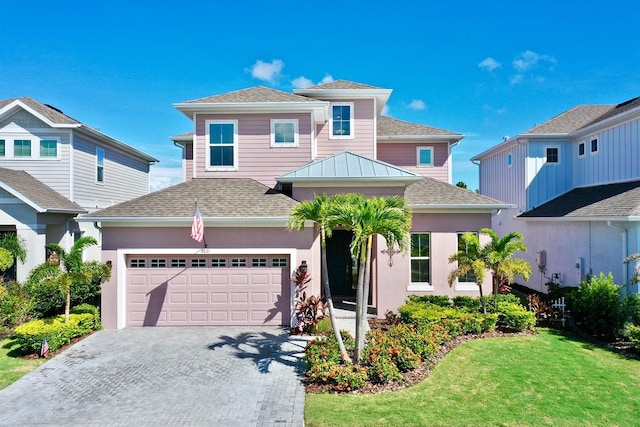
x: 343, y: 276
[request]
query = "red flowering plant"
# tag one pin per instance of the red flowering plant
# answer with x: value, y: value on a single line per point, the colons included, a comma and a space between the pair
x: 309, y: 310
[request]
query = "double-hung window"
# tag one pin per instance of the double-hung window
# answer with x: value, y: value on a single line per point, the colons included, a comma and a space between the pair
x: 420, y: 262
x: 424, y: 156
x: 468, y: 281
x: 99, y: 165
x: 222, y: 141
x: 48, y: 148
x: 22, y: 147
x: 3, y: 148
x: 341, y: 120
x: 284, y: 132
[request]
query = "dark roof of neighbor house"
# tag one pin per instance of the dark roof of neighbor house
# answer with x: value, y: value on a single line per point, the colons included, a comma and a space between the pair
x: 609, y: 200
x: 436, y: 193
x: 388, y: 126
x: 27, y: 188
x: 216, y: 197
x: 253, y: 95
x: 341, y: 85
x: 50, y: 112
x: 571, y: 120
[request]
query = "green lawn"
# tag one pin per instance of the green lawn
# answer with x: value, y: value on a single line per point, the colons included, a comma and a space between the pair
x: 12, y: 366
x: 549, y: 379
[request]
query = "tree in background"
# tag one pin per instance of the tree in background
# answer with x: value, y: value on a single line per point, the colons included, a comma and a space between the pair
x: 12, y: 247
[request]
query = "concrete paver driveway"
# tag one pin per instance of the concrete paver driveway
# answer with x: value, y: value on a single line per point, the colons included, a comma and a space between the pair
x: 165, y: 376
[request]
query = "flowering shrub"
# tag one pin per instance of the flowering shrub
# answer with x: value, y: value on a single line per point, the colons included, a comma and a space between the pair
x: 632, y: 332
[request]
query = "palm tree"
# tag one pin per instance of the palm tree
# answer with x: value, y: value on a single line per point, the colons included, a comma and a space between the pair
x: 316, y: 211
x: 367, y: 217
x: 70, y: 269
x: 495, y: 256
x: 11, y: 247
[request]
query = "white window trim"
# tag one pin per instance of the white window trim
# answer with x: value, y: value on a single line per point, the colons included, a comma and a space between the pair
x: 420, y: 286
x: 424, y: 165
x: 273, y: 133
x: 465, y: 286
x: 597, y: 139
x: 546, y: 162
x: 584, y: 144
x: 104, y: 160
x: 207, y: 145
x: 352, y: 124
x: 13, y: 147
x: 57, y: 156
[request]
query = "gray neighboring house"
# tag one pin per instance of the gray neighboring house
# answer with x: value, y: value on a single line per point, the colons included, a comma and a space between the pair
x: 53, y: 168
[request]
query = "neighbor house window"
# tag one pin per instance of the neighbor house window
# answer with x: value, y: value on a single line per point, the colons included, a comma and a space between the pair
x: 420, y: 262
x: 425, y: 156
x: 581, y: 149
x: 509, y: 159
x: 341, y: 120
x: 469, y: 278
x: 3, y: 148
x: 222, y: 139
x: 48, y: 148
x: 594, y: 145
x: 99, y: 165
x: 22, y: 148
x: 284, y: 132
x: 552, y: 154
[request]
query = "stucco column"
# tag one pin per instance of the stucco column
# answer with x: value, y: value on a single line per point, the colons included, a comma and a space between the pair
x: 35, y: 239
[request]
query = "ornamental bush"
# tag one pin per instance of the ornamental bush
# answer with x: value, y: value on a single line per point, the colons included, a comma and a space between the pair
x: 632, y: 332
x: 90, y: 309
x: 58, y: 333
x: 515, y: 316
x: 456, y: 322
x: 598, y: 306
x: 15, y: 307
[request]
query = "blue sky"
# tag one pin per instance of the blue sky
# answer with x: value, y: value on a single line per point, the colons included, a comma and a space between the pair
x: 485, y: 69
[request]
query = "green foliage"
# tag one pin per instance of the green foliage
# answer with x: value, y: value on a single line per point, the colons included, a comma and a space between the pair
x: 421, y: 342
x: 440, y: 300
x: 632, y: 332
x: 515, y: 316
x: 467, y: 303
x: 58, y: 333
x: 323, y: 327
x: 15, y: 307
x: 455, y: 321
x: 598, y: 306
x: 632, y: 309
x: 324, y: 364
x: 90, y: 309
x: 6, y: 259
x: 15, y: 245
x: 49, y: 301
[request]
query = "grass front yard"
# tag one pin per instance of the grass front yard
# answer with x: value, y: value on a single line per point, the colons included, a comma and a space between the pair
x: 12, y: 365
x: 552, y: 379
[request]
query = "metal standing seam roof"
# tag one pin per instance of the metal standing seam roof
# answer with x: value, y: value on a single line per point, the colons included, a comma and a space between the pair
x: 347, y: 166
x: 436, y: 193
x: 216, y: 197
x: 609, y: 200
x: 32, y: 191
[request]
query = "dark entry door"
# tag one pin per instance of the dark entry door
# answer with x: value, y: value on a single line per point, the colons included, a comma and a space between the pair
x: 342, y: 274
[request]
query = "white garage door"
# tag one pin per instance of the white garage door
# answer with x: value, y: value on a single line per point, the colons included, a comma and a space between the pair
x: 208, y: 290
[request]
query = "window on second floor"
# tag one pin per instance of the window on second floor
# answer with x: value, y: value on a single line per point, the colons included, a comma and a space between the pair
x: 509, y: 159
x: 222, y: 144
x: 48, y: 148
x: 424, y: 156
x: 3, y: 148
x: 99, y: 165
x: 341, y: 123
x: 22, y: 148
x: 581, y: 149
x: 552, y: 154
x: 594, y: 145
x: 284, y: 132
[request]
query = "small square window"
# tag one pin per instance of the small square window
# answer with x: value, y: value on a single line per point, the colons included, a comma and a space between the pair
x: 22, y: 148
x: 284, y: 133
x: 581, y: 149
x: 552, y: 154
x: 425, y: 156
x: 158, y: 263
x: 594, y: 145
x: 279, y: 262
x: 238, y: 262
x: 138, y: 263
x: 198, y: 263
x: 218, y: 262
x: 259, y: 262
x: 178, y: 263
x: 48, y: 148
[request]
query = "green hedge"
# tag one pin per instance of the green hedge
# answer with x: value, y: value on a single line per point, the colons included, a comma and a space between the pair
x: 58, y: 333
x: 633, y: 333
x: 515, y: 316
x: 458, y: 322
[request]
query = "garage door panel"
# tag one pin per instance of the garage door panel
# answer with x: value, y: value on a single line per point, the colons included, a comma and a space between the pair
x: 209, y: 292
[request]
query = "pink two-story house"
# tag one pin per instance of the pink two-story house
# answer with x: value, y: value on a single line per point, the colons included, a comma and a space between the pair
x: 252, y: 156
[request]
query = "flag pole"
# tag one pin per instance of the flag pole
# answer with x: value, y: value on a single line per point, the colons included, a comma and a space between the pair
x: 197, y: 228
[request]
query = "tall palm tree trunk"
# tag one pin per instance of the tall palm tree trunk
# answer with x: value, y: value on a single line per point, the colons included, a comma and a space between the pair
x: 327, y: 295
x: 361, y: 325
x: 357, y: 354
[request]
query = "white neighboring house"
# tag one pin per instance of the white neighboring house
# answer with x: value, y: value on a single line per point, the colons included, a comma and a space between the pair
x: 575, y: 183
x: 52, y: 168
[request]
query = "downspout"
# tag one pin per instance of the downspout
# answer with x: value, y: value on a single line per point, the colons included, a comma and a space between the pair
x: 625, y: 251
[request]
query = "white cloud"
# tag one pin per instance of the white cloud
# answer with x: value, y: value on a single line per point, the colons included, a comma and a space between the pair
x: 301, y: 82
x: 160, y: 177
x: 417, y: 104
x: 529, y: 60
x: 386, y: 111
x: 267, y: 71
x: 489, y: 64
x: 516, y: 79
x: 326, y: 79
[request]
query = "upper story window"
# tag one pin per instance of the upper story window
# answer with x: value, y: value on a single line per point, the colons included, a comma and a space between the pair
x: 424, y: 156
x: 509, y: 159
x: 594, y: 145
x: 222, y: 143
x: 581, y: 149
x: 99, y: 165
x: 22, y: 148
x: 48, y: 148
x: 552, y: 154
x: 341, y: 124
x: 284, y: 132
x: 3, y: 148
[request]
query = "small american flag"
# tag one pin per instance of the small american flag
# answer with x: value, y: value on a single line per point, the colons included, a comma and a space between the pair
x: 197, y: 228
x: 44, y: 350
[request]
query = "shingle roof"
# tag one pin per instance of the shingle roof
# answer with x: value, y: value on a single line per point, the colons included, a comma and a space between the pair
x: 216, y: 197
x: 609, y: 200
x: 253, y: 94
x: 619, y: 109
x: 347, y: 166
x: 571, y: 120
x: 51, y: 113
x: 27, y: 188
x: 342, y: 84
x: 388, y: 126
x: 437, y: 193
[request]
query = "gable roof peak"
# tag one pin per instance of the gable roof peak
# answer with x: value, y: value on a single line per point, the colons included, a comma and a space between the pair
x: 254, y: 94
x: 343, y: 84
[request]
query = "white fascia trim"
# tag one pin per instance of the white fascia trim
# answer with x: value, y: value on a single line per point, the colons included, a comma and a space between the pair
x: 121, y: 263
x: 107, y: 140
x: 354, y: 182
x: 381, y: 95
x: 71, y: 164
x: 22, y: 198
x: 417, y: 208
x: 181, y: 221
x: 319, y: 109
x: 18, y: 103
x: 608, y: 123
x: 512, y: 142
x: 403, y: 138
x: 580, y: 218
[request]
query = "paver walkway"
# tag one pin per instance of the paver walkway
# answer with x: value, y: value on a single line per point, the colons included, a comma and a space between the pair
x: 202, y: 376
